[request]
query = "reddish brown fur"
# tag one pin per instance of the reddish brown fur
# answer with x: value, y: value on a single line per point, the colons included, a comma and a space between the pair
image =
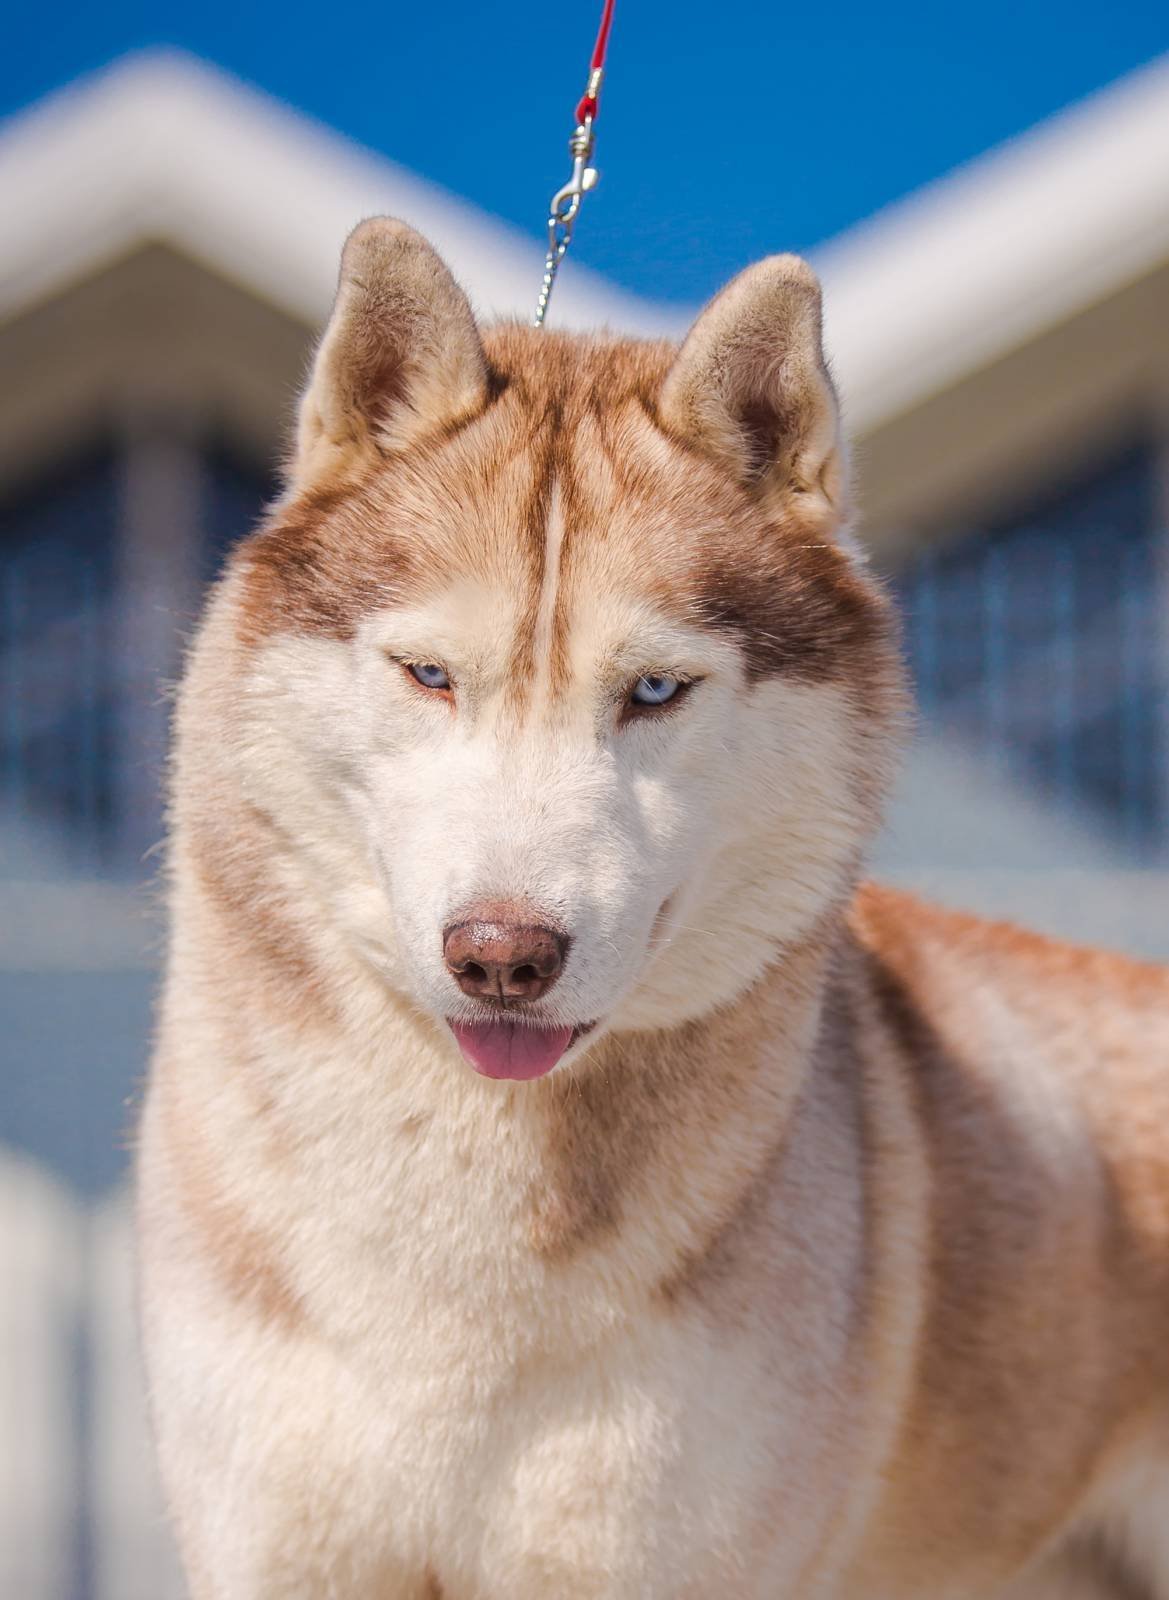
x: 246, y: 1265
x: 758, y: 571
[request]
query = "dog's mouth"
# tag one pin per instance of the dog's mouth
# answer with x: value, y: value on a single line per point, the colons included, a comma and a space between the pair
x: 503, y: 1048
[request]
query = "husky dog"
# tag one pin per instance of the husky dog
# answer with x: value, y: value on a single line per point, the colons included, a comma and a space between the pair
x: 558, y: 1179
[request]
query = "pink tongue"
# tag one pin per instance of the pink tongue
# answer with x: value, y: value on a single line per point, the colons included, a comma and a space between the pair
x: 509, y: 1049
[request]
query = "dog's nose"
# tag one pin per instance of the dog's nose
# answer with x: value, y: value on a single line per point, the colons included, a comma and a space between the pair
x: 497, y: 953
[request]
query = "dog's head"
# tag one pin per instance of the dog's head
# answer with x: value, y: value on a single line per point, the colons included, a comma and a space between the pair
x: 561, y: 690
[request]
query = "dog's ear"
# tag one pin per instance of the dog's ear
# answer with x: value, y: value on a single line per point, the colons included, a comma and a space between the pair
x: 400, y: 358
x: 750, y: 387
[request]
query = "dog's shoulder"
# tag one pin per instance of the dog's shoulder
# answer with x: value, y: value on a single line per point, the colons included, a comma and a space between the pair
x: 945, y: 962
x: 1040, y: 1068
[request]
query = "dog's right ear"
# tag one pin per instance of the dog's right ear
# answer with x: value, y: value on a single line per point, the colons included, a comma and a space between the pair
x: 401, y: 357
x: 750, y: 388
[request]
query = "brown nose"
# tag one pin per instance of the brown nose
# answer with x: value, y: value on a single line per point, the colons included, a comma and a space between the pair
x: 496, y: 953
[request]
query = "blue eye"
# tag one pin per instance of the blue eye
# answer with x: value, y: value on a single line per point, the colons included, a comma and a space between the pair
x: 429, y: 674
x: 655, y: 689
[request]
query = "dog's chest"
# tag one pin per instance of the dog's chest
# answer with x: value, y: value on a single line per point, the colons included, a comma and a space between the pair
x: 644, y: 1465
x: 520, y: 1429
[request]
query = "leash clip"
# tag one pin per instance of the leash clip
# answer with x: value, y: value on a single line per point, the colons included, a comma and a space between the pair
x: 562, y: 212
x: 566, y: 201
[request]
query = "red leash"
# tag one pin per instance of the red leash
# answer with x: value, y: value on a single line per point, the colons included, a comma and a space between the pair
x: 588, y: 104
x: 566, y: 201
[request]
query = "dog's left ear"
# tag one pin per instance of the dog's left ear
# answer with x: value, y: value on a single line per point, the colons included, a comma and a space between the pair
x: 750, y: 387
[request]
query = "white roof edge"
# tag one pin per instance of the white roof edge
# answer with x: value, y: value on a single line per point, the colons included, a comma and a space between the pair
x: 970, y: 267
x: 162, y: 146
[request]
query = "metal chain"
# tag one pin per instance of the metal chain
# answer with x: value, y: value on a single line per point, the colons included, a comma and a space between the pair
x: 556, y: 253
x: 566, y: 201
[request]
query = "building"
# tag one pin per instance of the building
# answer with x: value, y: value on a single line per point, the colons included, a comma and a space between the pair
x: 1002, y: 342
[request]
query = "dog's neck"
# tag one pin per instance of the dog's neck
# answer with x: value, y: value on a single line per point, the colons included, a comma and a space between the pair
x: 670, y: 1127
x: 680, y: 1121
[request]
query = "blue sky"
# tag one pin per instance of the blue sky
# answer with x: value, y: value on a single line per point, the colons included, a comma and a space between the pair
x: 729, y: 129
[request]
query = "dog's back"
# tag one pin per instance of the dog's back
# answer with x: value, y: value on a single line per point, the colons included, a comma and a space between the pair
x: 1040, y: 1079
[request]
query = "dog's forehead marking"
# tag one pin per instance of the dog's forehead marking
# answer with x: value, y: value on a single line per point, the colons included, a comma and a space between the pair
x: 545, y: 643
x: 528, y: 567
x: 555, y: 530
x: 590, y: 595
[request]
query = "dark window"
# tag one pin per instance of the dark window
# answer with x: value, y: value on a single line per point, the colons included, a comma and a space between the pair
x: 1040, y: 639
x: 57, y: 575
x: 84, y: 657
x: 234, y: 493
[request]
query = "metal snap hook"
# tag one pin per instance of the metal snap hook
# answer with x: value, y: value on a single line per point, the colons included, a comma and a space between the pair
x: 566, y: 202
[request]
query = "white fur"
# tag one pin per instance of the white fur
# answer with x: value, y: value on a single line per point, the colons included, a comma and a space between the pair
x: 410, y: 813
x: 506, y: 1403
